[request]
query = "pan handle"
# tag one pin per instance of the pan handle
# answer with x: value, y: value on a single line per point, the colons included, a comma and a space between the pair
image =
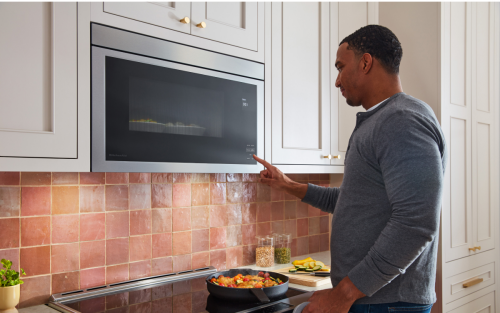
x: 260, y: 294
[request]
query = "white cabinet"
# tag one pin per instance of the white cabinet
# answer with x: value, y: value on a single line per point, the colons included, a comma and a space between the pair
x: 40, y: 110
x: 484, y: 304
x: 234, y: 23
x: 163, y: 14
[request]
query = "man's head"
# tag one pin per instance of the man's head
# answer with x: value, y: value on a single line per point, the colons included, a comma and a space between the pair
x: 367, y: 58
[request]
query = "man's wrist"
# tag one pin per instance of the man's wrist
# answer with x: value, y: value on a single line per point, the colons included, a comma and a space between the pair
x: 349, y: 290
x: 296, y: 189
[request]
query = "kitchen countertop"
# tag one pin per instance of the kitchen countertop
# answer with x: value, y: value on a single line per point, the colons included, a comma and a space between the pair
x: 320, y: 256
x: 38, y: 309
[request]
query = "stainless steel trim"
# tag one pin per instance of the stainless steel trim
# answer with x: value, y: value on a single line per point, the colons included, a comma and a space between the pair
x: 99, y: 163
x: 131, y: 285
x: 135, y: 43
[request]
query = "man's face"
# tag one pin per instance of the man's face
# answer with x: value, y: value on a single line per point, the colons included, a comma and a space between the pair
x: 348, y: 79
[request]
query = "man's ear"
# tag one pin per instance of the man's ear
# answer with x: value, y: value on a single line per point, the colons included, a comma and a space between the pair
x: 366, y: 62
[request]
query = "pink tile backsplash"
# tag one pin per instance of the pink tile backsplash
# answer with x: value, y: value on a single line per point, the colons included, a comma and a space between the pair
x: 79, y: 230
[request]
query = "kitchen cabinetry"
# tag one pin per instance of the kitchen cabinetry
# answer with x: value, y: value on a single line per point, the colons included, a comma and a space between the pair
x: 462, y: 49
x: 42, y: 116
x: 233, y: 28
x: 310, y: 120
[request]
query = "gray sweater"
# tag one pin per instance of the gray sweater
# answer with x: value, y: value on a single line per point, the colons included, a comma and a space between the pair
x: 386, y: 212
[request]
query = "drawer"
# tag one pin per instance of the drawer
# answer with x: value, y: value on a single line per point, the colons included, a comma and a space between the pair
x: 484, y: 304
x: 463, y: 284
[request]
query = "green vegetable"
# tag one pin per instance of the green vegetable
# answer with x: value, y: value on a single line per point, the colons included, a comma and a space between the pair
x: 309, y: 270
x: 301, y: 268
x: 293, y: 270
x: 317, y: 268
x: 282, y: 255
x: 9, y: 277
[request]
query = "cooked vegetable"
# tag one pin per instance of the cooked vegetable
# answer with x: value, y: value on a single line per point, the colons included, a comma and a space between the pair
x: 262, y: 280
x: 317, y: 268
x: 309, y: 270
x: 293, y: 270
x: 301, y: 262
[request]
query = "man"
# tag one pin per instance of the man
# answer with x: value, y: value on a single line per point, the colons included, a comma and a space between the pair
x: 385, y: 222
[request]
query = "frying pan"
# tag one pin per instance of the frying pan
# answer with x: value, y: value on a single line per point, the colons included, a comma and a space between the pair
x: 247, y: 294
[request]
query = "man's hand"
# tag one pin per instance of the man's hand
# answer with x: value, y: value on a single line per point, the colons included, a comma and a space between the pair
x: 336, y: 300
x: 273, y: 177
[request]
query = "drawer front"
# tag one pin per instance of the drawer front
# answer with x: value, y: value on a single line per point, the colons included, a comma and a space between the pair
x: 484, y: 304
x: 463, y: 284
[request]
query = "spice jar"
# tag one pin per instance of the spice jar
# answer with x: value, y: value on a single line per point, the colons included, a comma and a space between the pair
x: 277, y: 245
x: 283, y: 253
x: 264, y: 254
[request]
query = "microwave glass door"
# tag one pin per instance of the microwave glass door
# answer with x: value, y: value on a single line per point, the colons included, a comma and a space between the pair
x: 161, y: 111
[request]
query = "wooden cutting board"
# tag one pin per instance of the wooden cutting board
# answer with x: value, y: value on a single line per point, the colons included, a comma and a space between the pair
x: 304, y: 280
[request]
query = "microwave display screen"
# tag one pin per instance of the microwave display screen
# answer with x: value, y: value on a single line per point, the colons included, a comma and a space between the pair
x: 161, y: 114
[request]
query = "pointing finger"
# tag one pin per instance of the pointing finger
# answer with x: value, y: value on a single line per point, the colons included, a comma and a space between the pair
x: 261, y: 161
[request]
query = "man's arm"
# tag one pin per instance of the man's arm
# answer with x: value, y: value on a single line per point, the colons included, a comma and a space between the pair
x: 323, y: 198
x: 408, y: 151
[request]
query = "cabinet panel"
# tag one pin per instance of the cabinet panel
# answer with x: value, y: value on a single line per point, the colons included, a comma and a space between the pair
x: 300, y: 83
x: 484, y: 304
x: 38, y: 80
x: 481, y: 277
x: 482, y: 54
x: 234, y: 23
x: 457, y: 53
x: 164, y: 14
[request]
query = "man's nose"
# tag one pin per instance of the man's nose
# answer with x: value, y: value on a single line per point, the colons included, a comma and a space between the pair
x: 337, y: 81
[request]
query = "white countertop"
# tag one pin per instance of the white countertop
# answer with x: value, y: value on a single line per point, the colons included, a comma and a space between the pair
x: 320, y: 256
x: 38, y: 309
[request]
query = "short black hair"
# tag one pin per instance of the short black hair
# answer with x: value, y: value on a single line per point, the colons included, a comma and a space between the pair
x: 380, y: 42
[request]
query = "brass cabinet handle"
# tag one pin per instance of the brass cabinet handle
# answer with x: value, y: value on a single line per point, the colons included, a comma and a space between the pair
x: 332, y: 157
x: 185, y: 20
x: 472, y: 282
x: 475, y: 248
x: 472, y: 249
x: 201, y: 25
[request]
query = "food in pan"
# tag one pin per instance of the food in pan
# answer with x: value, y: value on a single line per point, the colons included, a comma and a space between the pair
x: 262, y: 280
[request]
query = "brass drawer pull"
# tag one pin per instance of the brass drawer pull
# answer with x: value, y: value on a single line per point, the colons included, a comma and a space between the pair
x: 475, y: 248
x: 472, y: 282
x: 331, y: 157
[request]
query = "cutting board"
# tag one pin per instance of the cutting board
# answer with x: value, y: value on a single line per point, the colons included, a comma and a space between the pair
x: 304, y: 280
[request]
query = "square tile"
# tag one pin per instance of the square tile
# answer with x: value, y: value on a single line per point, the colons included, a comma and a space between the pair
x: 9, y: 233
x: 140, y: 196
x: 233, y: 236
x: 248, y: 255
x: 263, y: 212
x: 294, y: 247
x: 92, y: 254
x: 64, y: 178
x: 324, y: 224
x: 35, y: 201
x: 254, y: 178
x: 10, y: 201
x: 140, y: 296
x: 302, y: 209
x: 314, y: 225
x: 234, y: 192
x: 200, y: 217
x: 92, y: 226
x: 302, y: 227
x: 234, y: 177
x: 93, y: 305
x: 302, y: 245
x: 140, y: 222
x: 93, y: 277
x: 92, y: 178
x: 116, y: 273
x: 64, y: 282
x: 181, y: 178
x: 234, y: 214
x: 161, y: 178
x: 161, y: 291
x: 11, y: 255
x: 65, y: 228
x: 35, y: 231
x: 218, y: 259
x: 277, y: 211
x: 162, y: 245
x: 161, y: 195
x: 181, y: 195
x: 277, y: 195
x: 36, y: 260
x: 10, y: 178
x: 162, y: 265
x: 218, y: 193
x: 277, y: 227
x: 218, y: 215
x: 117, y: 251
x: 181, y: 243
x: 65, y: 199
x: 162, y: 220
x: 35, y: 291
x: 200, y: 240
x: 291, y: 227
x: 91, y: 199
x: 65, y: 258
x: 263, y: 193
x: 314, y: 244
x: 200, y: 194
x: 117, y: 224
x: 264, y: 229
x: 181, y: 263
x: 312, y: 211
x: 140, y: 178
x: 116, y: 197
x: 248, y: 233
x: 234, y: 257
x: 181, y: 219
x: 217, y: 238
x: 290, y: 210
x: 117, y: 301
x: 324, y: 242
x: 182, y: 303
x: 116, y: 178
x: 218, y: 178
x: 290, y: 197
x: 140, y: 248
x: 201, y: 259
x: 140, y: 269
x: 200, y: 178
x: 35, y: 178
x: 249, y: 192
x: 249, y: 213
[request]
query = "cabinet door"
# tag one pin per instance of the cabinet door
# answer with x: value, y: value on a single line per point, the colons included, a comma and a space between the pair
x: 457, y: 127
x: 483, y: 134
x: 346, y: 18
x: 484, y: 304
x: 300, y: 83
x: 234, y: 23
x: 164, y: 14
x: 38, y: 80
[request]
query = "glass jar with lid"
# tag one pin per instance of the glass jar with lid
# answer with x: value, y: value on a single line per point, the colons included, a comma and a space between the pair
x: 264, y: 254
x: 283, y: 253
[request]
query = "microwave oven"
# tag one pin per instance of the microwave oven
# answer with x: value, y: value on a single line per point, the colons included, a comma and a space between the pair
x: 160, y: 106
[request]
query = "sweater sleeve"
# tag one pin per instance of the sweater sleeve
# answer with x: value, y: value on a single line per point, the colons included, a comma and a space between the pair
x: 323, y: 198
x: 409, y: 151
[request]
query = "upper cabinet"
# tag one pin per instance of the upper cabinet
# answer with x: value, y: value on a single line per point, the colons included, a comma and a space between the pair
x: 40, y: 109
x: 233, y: 28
